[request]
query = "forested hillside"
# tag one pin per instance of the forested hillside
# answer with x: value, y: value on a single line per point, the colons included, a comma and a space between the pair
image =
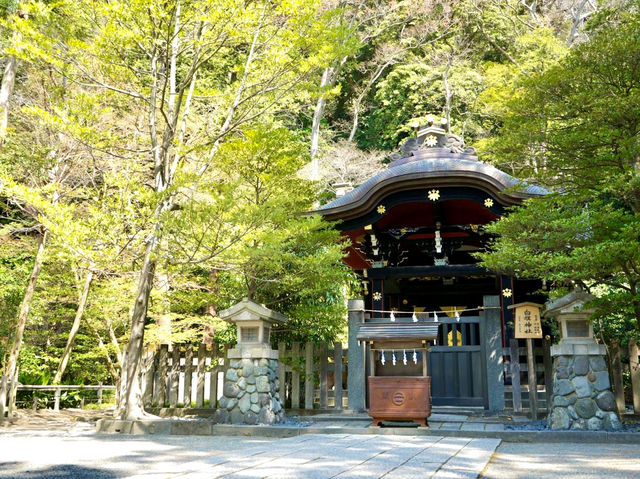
x: 157, y: 157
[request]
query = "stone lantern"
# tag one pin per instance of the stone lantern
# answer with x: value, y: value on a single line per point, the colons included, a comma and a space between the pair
x: 582, y: 397
x: 251, y: 393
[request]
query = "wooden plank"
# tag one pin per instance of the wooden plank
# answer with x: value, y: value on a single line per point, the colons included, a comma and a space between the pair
x: 476, y: 365
x: 295, y: 376
x: 548, y: 371
x: 372, y: 362
x: 533, y: 397
x: 514, y: 361
x: 337, y: 374
x: 616, y: 372
x: 188, y: 375
x: 464, y: 328
x: 425, y: 362
x: 213, y: 378
x: 175, y: 376
x: 634, y: 369
x: 308, y: 378
x: 389, y: 345
x: 449, y: 367
x: 282, y: 371
x: 437, y: 376
x: 324, y: 367
x: 200, y: 375
x: 163, y: 377
x: 473, y: 341
x: 464, y: 377
x: 56, y: 401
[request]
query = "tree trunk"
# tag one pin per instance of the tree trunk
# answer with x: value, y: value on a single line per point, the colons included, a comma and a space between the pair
x: 74, y: 327
x: 578, y: 18
x: 110, y: 365
x: 130, y: 405
x: 23, y: 313
x: 6, y: 90
x: 212, y: 308
x: 114, y: 341
x: 327, y: 80
x: 358, y: 102
x: 447, y: 92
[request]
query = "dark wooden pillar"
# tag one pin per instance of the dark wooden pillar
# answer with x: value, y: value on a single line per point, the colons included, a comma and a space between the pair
x: 377, y: 294
x: 506, y: 299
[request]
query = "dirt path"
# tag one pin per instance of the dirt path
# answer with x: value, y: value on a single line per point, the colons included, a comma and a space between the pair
x: 50, y: 420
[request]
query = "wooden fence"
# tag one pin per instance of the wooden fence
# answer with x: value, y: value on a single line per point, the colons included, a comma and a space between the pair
x: 623, y: 363
x: 186, y: 376
x: 528, y: 368
x: 313, y: 374
x: 189, y: 376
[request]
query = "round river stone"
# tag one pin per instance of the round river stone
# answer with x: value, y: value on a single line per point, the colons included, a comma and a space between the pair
x: 585, y: 408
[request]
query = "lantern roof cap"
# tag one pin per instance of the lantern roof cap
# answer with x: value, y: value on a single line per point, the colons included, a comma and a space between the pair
x: 569, y: 303
x: 248, y: 310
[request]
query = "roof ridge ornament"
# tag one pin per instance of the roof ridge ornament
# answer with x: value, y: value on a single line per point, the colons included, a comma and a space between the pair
x: 433, y: 137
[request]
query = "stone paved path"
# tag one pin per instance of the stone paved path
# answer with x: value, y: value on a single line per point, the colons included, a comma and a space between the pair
x: 78, y: 453
x: 564, y: 461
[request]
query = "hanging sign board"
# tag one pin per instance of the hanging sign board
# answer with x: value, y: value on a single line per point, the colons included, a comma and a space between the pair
x: 527, y: 320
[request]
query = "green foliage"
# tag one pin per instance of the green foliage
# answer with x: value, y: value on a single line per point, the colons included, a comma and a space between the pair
x: 575, y: 125
x: 412, y: 91
x: 288, y: 261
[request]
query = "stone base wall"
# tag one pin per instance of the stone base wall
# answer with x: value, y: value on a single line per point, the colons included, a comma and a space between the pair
x: 582, y: 397
x: 251, y: 393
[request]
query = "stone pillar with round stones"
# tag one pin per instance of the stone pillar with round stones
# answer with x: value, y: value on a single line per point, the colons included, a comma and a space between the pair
x: 251, y: 392
x: 582, y: 397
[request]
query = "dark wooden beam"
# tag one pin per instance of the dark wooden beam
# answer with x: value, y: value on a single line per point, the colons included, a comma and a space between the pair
x: 409, y: 271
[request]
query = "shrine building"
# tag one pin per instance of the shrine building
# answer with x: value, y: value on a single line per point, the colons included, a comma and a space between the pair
x: 413, y: 230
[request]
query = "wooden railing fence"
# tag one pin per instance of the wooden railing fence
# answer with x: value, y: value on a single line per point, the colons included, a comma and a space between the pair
x: 189, y: 376
x: 185, y: 376
x: 53, y: 395
x: 528, y: 369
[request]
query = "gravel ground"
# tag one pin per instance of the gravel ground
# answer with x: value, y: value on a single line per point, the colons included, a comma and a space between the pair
x: 630, y: 425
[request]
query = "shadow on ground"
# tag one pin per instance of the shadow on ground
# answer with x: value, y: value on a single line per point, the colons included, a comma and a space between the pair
x: 20, y: 470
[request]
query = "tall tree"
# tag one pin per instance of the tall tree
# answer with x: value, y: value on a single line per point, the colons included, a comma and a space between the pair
x: 148, y: 58
x: 580, y: 120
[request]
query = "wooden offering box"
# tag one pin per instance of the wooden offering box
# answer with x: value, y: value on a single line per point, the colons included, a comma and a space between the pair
x: 402, y: 398
x: 398, y: 393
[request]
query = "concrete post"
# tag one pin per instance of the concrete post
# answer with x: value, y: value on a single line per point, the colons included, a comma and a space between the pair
x: 356, y: 378
x: 491, y: 333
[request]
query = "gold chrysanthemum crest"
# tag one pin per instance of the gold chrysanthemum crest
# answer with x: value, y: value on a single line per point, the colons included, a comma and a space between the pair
x: 431, y: 140
x: 377, y: 296
x: 507, y: 293
x: 433, y: 195
x: 488, y: 202
x: 381, y: 209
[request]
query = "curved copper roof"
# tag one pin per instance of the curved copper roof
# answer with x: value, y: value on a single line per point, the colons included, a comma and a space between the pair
x: 430, y: 168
